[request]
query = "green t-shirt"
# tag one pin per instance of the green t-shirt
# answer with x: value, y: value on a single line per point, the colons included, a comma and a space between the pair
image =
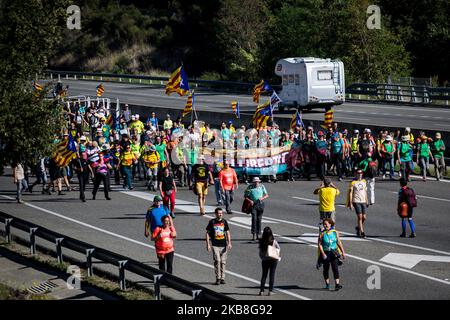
x: 389, y: 147
x: 424, y: 150
x: 405, y: 152
x: 436, y: 148
x: 255, y: 193
x: 160, y: 148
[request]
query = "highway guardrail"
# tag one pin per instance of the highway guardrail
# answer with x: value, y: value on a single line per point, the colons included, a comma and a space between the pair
x: 123, y: 263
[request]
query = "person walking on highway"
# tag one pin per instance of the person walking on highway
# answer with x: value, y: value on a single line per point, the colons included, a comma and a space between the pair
x: 154, y: 215
x: 387, y: 151
x: 151, y: 159
x: 218, y: 238
x: 404, y: 151
x: 101, y: 175
x: 423, y: 156
x: 327, y: 192
x: 438, y: 148
x: 256, y: 193
x: 19, y: 180
x: 268, y: 261
x: 407, y: 195
x: 168, y: 190
x: 127, y: 158
x: 201, y: 175
x: 164, y: 236
x: 329, y: 242
x: 228, y: 183
x: 357, y: 199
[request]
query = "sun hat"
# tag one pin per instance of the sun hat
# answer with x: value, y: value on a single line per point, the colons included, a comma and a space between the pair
x: 405, y: 138
x: 256, y: 179
x: 388, y: 138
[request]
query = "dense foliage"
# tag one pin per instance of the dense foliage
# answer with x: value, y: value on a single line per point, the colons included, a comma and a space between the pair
x: 243, y: 39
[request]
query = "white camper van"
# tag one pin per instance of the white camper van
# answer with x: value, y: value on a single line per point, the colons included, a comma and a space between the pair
x: 310, y: 82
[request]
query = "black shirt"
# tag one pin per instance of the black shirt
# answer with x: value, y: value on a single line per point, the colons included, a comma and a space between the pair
x: 217, y: 230
x: 166, y: 183
x: 200, y: 172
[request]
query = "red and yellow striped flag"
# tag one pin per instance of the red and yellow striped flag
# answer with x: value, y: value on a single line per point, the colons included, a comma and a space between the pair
x: 100, y: 90
x: 328, y: 119
x: 189, y: 104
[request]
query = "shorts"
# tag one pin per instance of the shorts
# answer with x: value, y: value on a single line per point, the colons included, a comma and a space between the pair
x: 330, y: 214
x: 201, y: 188
x: 360, y: 208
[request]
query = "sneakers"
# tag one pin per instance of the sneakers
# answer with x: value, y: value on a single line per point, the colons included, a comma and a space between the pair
x: 217, y: 282
x: 270, y: 293
x: 260, y: 293
x: 108, y: 198
x: 358, y: 234
x: 412, y: 235
x: 60, y: 193
x: 338, y: 287
x: 327, y: 286
x: 384, y: 177
x: 222, y: 281
x: 172, y: 215
x: 403, y: 235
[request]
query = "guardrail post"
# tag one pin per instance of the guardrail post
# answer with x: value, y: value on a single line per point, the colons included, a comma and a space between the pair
x: 59, y: 77
x: 120, y: 79
x: 83, y: 77
x: 101, y: 78
x: 51, y: 76
x: 122, y: 281
x: 92, y: 77
x: 196, y: 295
x: 90, y: 271
x: 157, y: 286
x: 67, y: 76
x: 59, y: 256
x: 75, y: 77
x: 33, y: 240
x: 129, y: 80
x: 8, y: 230
x: 140, y: 81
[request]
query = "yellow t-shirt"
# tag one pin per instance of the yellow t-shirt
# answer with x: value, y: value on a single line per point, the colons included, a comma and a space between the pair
x: 327, y: 196
x: 127, y: 158
x: 153, y: 158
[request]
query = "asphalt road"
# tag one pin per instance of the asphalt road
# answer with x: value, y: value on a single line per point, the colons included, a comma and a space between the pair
x: 417, y: 117
x: 292, y: 213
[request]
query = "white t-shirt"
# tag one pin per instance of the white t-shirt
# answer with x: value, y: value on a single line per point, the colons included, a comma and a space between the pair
x: 359, y: 191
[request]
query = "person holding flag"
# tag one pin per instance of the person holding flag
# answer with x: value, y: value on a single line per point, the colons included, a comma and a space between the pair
x: 178, y: 82
x: 328, y: 119
x: 189, y: 108
x: 296, y: 121
x: 262, y: 115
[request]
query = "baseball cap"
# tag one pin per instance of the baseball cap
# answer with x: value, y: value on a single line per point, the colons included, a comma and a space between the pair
x: 405, y: 138
x: 388, y: 138
x: 152, y: 148
x: 367, y: 130
x: 424, y: 137
x: 408, y: 129
x: 320, y: 133
x: 359, y: 171
x: 356, y: 131
x: 157, y: 198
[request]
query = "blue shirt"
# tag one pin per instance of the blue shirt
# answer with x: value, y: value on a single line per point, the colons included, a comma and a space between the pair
x: 155, y: 214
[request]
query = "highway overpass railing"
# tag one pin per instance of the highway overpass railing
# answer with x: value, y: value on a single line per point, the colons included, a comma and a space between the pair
x: 123, y: 263
x: 363, y: 92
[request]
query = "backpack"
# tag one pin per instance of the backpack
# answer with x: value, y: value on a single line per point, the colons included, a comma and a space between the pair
x: 411, y: 198
x: 372, y: 169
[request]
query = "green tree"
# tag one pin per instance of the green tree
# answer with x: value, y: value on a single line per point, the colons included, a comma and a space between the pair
x: 30, y: 29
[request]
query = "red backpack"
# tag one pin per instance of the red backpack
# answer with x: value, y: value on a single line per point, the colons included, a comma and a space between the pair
x: 410, y: 197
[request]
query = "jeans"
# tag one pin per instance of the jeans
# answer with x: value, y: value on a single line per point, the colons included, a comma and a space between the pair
x: 228, y: 199
x: 338, y: 163
x: 268, y: 265
x: 406, y: 167
x: 424, y: 163
x: 218, y: 191
x: 128, y: 176
x: 257, y: 213
x: 83, y: 180
x: 220, y: 260
x: 21, y: 185
x: 391, y: 166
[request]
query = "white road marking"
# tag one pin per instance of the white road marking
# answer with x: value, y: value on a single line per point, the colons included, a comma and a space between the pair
x: 427, y: 197
x: 152, y: 247
x: 317, y: 201
x: 409, y: 261
x: 312, y: 237
x: 315, y: 246
x: 248, y: 221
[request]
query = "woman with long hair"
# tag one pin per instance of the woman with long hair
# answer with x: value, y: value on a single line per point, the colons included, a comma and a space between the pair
x: 268, y: 260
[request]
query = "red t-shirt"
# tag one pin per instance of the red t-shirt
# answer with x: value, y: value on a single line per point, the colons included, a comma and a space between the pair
x: 228, y: 178
x: 164, y: 244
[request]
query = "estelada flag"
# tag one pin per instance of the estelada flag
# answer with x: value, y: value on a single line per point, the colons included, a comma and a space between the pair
x: 65, y: 152
x: 260, y: 87
x: 178, y: 82
x: 235, y: 108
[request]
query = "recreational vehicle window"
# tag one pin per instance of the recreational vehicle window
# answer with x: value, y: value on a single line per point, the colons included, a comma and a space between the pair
x: 285, y: 80
x: 324, y: 75
x: 291, y: 78
x: 297, y: 80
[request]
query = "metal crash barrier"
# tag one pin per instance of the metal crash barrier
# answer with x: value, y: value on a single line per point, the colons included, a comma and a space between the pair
x: 123, y: 263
